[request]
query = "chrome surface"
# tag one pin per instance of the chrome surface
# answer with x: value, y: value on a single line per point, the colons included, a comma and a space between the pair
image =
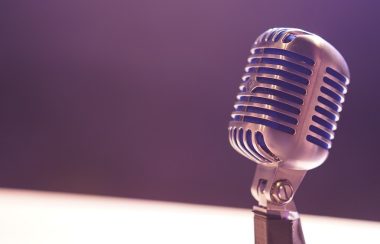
x: 309, y: 54
x: 282, y: 192
x: 286, y: 113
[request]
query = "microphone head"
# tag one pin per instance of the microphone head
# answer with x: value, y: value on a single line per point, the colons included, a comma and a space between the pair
x: 290, y: 99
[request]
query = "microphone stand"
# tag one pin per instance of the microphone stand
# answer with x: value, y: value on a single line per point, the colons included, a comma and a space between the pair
x: 272, y: 229
x: 276, y: 220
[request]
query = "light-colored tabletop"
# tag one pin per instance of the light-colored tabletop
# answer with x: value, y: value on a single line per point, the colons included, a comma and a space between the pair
x: 30, y: 217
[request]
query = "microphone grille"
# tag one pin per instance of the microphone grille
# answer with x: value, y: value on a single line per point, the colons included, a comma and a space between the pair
x: 289, y: 99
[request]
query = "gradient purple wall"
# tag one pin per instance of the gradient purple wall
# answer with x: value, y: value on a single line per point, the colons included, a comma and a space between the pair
x: 132, y: 99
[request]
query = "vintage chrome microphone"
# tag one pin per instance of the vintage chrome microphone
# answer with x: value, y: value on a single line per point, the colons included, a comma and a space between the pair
x: 284, y: 120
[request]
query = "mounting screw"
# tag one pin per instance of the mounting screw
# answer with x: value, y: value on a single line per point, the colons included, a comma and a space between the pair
x: 282, y: 192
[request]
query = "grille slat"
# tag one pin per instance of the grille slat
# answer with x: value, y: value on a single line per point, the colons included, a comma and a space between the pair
x: 269, y: 123
x: 261, y: 141
x: 326, y: 113
x: 232, y: 138
x: 248, y: 136
x: 323, y: 122
x: 249, y: 101
x: 275, y: 87
x: 270, y: 37
x: 276, y: 116
x: 321, y: 132
x: 279, y: 72
x: 277, y: 93
x: 282, y: 84
x: 337, y: 75
x: 282, y: 62
x: 332, y: 94
x: 289, y: 37
x: 237, y: 117
x: 261, y: 108
x: 236, y: 141
x: 318, y: 142
x: 242, y: 88
x: 297, y: 57
x: 242, y: 145
x: 245, y: 97
x: 329, y: 104
x: 335, y: 85
x: 279, y: 35
x: 265, y: 36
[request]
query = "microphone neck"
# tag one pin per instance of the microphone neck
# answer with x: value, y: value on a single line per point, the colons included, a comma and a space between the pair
x: 274, y: 188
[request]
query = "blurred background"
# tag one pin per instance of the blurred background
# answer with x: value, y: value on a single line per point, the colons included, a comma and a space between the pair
x: 132, y: 99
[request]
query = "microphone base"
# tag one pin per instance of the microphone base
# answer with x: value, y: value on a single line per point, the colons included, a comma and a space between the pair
x: 272, y: 229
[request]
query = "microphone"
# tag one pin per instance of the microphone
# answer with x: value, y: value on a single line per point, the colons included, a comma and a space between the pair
x: 284, y: 119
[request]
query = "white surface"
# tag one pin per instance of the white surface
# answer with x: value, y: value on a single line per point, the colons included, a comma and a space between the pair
x: 52, y: 218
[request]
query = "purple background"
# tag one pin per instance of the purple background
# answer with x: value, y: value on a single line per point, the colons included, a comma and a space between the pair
x: 132, y: 99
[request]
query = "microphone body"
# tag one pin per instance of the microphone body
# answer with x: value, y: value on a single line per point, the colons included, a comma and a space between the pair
x: 286, y: 115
